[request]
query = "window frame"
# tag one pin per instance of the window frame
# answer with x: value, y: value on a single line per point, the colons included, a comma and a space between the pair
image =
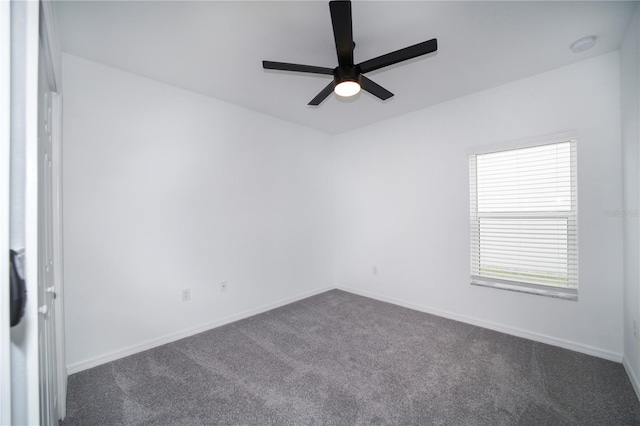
x: 569, y: 293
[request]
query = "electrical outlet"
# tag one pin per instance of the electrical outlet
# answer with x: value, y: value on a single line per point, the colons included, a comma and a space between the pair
x: 635, y: 328
x: 374, y: 270
x: 186, y: 294
x: 223, y: 286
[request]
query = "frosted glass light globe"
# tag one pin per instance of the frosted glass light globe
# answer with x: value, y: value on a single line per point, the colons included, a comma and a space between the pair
x: 347, y: 88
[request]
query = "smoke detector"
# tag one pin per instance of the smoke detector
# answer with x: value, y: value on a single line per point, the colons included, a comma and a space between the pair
x: 585, y: 43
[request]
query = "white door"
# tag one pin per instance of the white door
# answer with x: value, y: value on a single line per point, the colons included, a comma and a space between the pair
x: 46, y: 284
x: 58, y: 249
x: 33, y: 370
x: 26, y: 205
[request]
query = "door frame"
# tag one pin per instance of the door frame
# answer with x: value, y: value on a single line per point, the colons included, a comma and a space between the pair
x: 5, y: 162
x: 58, y: 252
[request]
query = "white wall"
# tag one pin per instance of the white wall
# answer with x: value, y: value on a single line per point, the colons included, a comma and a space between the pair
x: 630, y: 98
x: 403, y: 205
x: 166, y: 189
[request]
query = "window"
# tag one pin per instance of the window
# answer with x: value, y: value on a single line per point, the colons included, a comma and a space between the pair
x: 524, y: 219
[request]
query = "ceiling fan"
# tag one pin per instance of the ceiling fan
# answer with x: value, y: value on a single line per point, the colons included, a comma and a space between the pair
x: 348, y: 77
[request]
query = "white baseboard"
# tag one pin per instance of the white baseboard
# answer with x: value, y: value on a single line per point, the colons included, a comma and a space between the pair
x: 159, y: 341
x: 632, y: 376
x: 152, y: 343
x: 566, y: 344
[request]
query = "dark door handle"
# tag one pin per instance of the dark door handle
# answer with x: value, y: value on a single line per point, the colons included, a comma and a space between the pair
x: 18, y: 288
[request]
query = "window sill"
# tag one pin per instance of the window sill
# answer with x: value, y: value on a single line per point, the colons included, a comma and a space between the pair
x: 558, y: 293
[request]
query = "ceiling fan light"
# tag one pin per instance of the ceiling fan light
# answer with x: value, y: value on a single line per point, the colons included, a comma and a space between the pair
x: 347, y: 88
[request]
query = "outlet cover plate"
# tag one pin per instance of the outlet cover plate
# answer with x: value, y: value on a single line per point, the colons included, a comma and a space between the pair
x: 186, y: 294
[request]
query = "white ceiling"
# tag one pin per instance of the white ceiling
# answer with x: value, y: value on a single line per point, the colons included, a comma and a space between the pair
x: 216, y: 48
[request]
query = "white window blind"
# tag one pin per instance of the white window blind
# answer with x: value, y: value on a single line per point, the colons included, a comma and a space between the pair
x: 524, y: 219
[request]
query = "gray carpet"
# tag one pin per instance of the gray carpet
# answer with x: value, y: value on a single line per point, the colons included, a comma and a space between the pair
x: 341, y: 359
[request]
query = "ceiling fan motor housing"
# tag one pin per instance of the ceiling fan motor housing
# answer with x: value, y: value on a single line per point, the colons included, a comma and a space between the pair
x: 346, y: 73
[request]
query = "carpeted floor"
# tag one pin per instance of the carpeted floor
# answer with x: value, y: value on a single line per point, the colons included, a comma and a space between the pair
x: 341, y: 359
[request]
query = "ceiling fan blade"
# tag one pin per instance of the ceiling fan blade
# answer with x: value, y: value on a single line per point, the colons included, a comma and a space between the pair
x: 374, y: 88
x: 283, y: 66
x: 342, y: 30
x: 322, y: 95
x: 399, y: 55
